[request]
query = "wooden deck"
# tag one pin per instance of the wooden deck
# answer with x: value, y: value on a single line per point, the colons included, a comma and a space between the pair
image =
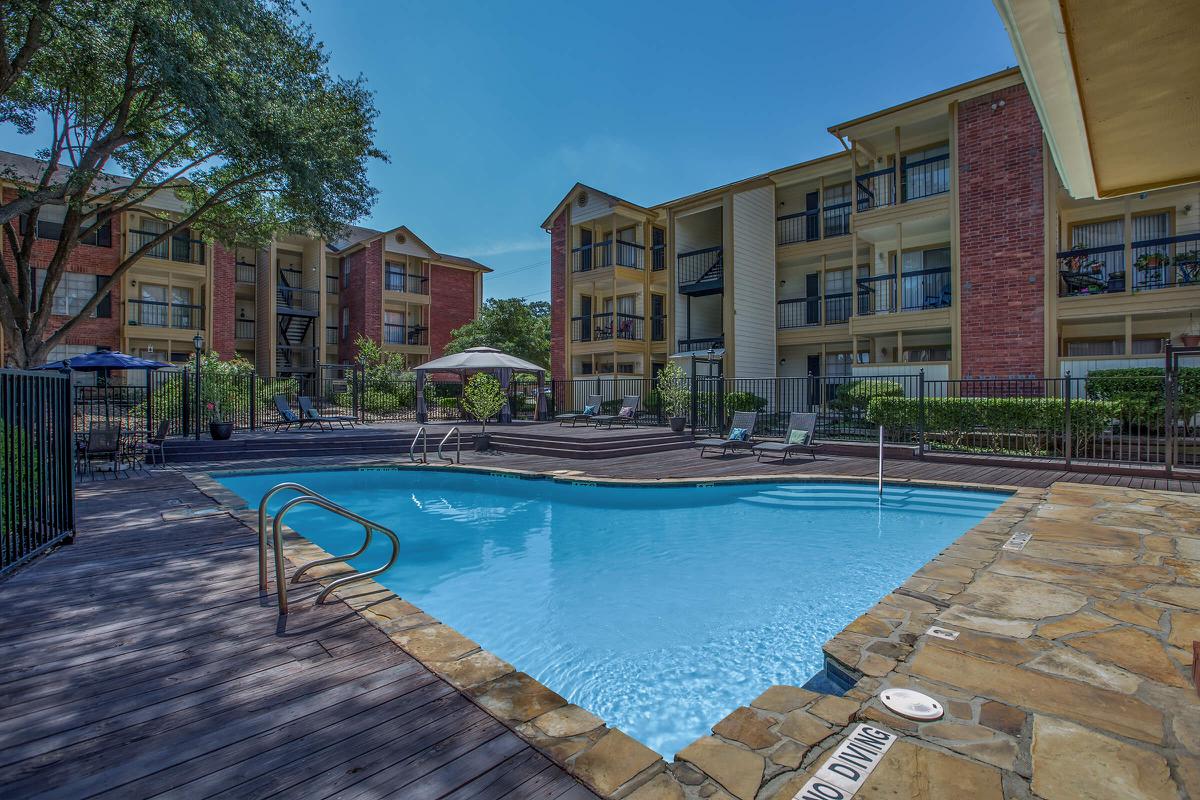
x: 141, y: 661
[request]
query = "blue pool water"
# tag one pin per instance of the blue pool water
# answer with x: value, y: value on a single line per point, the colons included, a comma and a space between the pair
x: 659, y: 609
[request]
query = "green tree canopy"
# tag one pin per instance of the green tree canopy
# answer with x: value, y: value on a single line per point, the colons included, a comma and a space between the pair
x: 224, y: 110
x: 514, y: 326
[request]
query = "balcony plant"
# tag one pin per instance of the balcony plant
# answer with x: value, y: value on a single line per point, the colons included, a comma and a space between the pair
x: 1191, y: 337
x: 1152, y: 260
x: 1187, y: 267
x: 673, y: 393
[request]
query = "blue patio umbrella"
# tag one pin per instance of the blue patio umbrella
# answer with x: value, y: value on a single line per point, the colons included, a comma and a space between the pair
x: 103, y: 360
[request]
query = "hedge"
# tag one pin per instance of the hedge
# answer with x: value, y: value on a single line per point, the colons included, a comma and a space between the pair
x: 1140, y: 394
x: 1032, y: 425
x: 856, y: 396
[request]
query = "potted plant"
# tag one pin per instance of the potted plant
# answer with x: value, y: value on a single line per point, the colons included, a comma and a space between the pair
x: 1187, y: 267
x: 482, y: 399
x: 1191, y: 338
x: 218, y: 427
x: 673, y: 392
x: 1151, y: 261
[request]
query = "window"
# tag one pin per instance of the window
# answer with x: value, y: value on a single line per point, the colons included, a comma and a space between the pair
x: 50, y: 222
x: 926, y: 172
x: 393, y: 327
x: 345, y: 273
x: 73, y: 291
x: 929, y: 352
x: 64, y: 351
x: 395, y: 277
x: 1148, y: 345
x: 345, y: 323
x: 1094, y: 347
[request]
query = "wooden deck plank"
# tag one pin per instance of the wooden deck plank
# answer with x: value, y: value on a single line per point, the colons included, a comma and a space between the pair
x: 143, y: 660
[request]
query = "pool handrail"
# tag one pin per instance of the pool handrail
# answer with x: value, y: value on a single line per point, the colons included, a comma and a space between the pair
x: 329, y: 505
x: 424, y: 437
x: 457, y: 446
x: 262, y: 529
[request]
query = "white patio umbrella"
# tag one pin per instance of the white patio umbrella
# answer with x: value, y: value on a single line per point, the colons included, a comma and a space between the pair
x: 481, y: 359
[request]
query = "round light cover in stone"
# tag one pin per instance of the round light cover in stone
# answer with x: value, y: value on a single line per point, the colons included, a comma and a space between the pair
x: 913, y: 705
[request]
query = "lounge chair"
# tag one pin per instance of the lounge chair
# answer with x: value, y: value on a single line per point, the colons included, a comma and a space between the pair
x: 287, y: 417
x: 623, y: 416
x: 797, y: 423
x: 593, y: 402
x: 321, y: 420
x: 743, y: 420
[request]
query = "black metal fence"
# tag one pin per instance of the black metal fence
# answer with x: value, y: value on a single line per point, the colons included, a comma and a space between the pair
x: 37, y: 507
x: 573, y: 395
x: 1146, y: 417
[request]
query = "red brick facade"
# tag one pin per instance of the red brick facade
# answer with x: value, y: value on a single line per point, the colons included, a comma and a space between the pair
x: 452, y: 304
x: 1001, y: 236
x: 559, y: 305
x: 104, y: 330
x: 221, y: 297
x: 363, y: 296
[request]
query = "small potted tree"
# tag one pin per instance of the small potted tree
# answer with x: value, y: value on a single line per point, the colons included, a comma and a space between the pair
x: 1191, y: 337
x: 673, y: 393
x: 482, y: 399
x: 219, y: 428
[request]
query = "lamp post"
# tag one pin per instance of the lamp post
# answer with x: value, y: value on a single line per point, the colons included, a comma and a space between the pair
x: 198, y: 343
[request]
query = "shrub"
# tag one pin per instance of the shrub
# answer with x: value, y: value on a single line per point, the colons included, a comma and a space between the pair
x: 21, y: 470
x: 1033, y: 425
x: 1139, y: 392
x: 744, y: 401
x: 854, y: 397
x: 673, y: 390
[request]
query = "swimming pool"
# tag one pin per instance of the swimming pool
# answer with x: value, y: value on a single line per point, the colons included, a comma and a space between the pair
x: 660, y: 609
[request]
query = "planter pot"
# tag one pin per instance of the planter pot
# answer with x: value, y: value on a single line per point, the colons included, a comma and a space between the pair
x: 220, y: 431
x: 483, y: 442
x: 677, y: 424
x: 1190, y: 339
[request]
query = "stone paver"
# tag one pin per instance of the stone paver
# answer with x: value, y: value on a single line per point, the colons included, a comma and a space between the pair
x: 613, y: 761
x: 738, y: 770
x: 1071, y: 762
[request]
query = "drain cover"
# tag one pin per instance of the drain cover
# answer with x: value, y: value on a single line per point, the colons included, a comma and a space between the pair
x: 913, y: 705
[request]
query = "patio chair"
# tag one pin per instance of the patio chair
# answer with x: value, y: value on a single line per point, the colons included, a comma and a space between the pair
x: 626, y: 414
x: 311, y: 414
x: 801, y: 429
x: 156, y: 445
x: 103, y: 445
x: 287, y: 417
x: 743, y: 424
x: 593, y: 403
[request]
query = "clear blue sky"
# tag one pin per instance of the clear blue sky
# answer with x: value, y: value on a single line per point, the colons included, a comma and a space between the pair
x: 490, y: 111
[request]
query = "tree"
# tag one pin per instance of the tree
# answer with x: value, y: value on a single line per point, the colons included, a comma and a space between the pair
x: 518, y: 328
x: 483, y: 397
x: 223, y: 109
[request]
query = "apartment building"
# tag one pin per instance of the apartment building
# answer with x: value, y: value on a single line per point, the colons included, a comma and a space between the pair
x: 939, y: 237
x: 299, y: 302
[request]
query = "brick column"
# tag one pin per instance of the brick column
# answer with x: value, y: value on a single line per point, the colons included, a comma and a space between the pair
x: 452, y: 304
x: 1001, y: 235
x: 221, y: 297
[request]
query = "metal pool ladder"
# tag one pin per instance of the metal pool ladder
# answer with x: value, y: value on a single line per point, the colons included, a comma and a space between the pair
x: 309, y: 497
x: 424, y: 438
x: 457, y: 446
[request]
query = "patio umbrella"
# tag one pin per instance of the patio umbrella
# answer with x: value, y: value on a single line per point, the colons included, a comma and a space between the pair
x: 480, y: 359
x: 103, y: 361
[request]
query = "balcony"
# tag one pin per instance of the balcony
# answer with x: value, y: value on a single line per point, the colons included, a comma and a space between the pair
x: 806, y: 312
x: 245, y: 272
x: 179, y: 248
x: 606, y: 327
x: 701, y: 272
x: 405, y: 335
x: 154, y: 314
x: 702, y: 344
x: 1162, y: 263
x: 601, y: 254
x: 918, y: 180
x: 292, y: 299
x: 331, y: 284
x: 921, y: 290
x: 806, y: 226
x: 243, y: 329
x: 400, y: 282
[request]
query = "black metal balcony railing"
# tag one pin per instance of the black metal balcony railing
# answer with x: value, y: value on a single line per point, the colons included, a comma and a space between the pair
x: 243, y: 329
x: 411, y: 335
x: 658, y: 328
x: 838, y: 307
x: 600, y: 254
x: 806, y: 225
x: 1166, y: 262
x: 245, y: 272
x: 699, y: 345
x: 177, y: 248
x: 802, y: 312
x: 925, y: 289
x: 606, y: 327
x: 876, y: 294
x: 875, y: 189
x: 700, y: 266
x: 400, y: 282
x: 155, y: 314
x: 1091, y: 270
x: 331, y: 284
x: 925, y: 178
x: 290, y: 295
x: 331, y: 334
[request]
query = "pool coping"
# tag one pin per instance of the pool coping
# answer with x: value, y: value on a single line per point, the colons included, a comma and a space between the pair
x: 611, y: 762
